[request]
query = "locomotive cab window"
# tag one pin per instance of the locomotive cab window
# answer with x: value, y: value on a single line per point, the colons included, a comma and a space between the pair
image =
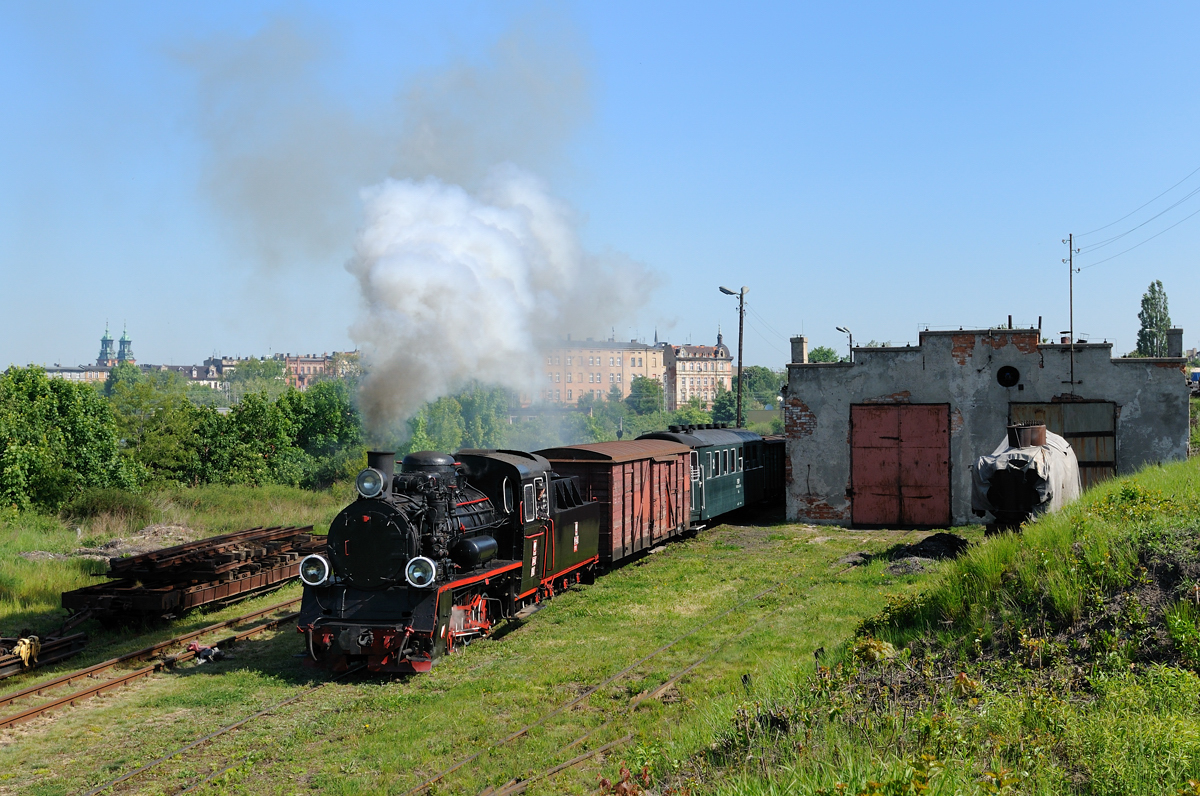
x: 543, y: 498
x: 506, y: 496
x: 530, y: 504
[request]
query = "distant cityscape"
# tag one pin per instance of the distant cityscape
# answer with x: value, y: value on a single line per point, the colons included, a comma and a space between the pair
x: 299, y: 370
x: 572, y: 370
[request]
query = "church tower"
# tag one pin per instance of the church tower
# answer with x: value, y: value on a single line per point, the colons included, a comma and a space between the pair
x: 106, y: 350
x: 125, y: 351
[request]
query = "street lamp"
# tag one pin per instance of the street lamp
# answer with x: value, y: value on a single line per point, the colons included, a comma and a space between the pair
x: 741, y: 320
x: 846, y: 331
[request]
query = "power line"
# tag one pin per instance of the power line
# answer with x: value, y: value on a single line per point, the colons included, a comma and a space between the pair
x: 1155, y: 199
x: 1147, y: 240
x: 1114, y: 238
x: 765, y: 339
x: 764, y: 321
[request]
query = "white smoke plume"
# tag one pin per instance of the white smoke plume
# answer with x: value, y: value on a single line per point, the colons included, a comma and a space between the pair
x: 466, y: 268
x: 464, y: 287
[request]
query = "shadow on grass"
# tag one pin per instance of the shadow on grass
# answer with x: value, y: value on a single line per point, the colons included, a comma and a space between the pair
x: 759, y: 515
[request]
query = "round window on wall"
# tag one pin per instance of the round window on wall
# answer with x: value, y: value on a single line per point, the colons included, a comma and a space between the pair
x: 1008, y: 376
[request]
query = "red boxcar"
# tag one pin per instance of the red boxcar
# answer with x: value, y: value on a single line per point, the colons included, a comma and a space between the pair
x: 644, y: 484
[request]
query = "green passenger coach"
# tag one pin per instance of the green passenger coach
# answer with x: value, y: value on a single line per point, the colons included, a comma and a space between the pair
x: 726, y: 467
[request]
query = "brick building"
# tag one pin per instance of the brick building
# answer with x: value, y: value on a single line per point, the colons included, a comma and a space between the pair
x: 890, y: 439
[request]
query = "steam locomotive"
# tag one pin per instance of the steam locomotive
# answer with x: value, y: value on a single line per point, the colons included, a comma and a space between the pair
x: 431, y: 557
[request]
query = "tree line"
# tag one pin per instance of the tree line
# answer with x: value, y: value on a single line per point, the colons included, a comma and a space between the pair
x: 142, y: 431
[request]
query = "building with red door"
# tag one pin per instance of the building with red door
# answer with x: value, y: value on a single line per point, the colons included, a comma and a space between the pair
x: 889, y: 439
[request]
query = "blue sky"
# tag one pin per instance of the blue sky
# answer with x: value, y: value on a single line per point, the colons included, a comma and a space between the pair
x: 880, y: 166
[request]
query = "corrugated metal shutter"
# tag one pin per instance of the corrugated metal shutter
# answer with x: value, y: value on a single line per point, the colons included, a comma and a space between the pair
x: 1089, y: 427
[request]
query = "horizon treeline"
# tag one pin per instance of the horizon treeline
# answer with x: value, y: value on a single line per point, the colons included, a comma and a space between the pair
x: 143, y: 431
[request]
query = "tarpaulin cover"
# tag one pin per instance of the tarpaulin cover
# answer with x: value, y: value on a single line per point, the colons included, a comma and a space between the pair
x: 1048, y: 476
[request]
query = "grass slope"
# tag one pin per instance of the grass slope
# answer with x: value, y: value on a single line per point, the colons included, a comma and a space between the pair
x: 1061, y: 660
x: 381, y: 735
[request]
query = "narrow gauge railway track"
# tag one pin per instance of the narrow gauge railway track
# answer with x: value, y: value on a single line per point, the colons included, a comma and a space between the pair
x: 221, y: 731
x: 513, y: 786
x: 517, y: 786
x: 607, y: 681
x: 142, y: 654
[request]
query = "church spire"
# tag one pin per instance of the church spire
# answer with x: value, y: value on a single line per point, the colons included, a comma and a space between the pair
x: 106, y: 357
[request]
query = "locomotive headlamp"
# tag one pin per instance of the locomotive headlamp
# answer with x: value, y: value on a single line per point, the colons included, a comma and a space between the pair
x: 369, y: 483
x: 315, y: 570
x: 420, y: 572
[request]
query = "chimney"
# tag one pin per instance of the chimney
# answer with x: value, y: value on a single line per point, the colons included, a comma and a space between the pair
x: 1175, y: 342
x: 800, y: 349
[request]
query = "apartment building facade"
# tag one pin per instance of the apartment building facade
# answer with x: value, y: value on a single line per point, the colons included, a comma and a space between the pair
x: 577, y: 368
x: 697, y: 371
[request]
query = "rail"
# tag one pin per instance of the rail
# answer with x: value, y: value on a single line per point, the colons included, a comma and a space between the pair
x: 123, y: 679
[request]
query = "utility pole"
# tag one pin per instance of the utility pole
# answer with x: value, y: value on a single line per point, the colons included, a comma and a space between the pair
x: 1070, y: 261
x: 741, y: 323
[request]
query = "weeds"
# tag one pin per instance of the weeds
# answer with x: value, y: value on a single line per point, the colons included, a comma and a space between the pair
x: 92, y: 503
x: 1055, y: 660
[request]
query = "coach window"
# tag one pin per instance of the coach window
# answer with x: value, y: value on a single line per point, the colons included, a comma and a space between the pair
x: 740, y: 462
x: 530, y: 504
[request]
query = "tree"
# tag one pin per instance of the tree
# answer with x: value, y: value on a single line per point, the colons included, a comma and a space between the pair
x: 823, y: 353
x: 692, y: 412
x: 56, y: 438
x: 760, y: 387
x: 1156, y: 320
x: 724, y: 409
x: 645, y: 395
x: 324, y: 416
x: 122, y: 372
x: 157, y: 427
x: 252, y: 375
x: 485, y: 416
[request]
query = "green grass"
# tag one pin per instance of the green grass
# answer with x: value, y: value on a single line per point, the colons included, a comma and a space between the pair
x: 30, y: 590
x: 1060, y: 660
x: 1055, y: 661
x: 383, y: 735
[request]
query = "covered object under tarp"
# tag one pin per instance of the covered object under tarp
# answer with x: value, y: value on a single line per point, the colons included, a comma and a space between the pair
x: 1016, y: 483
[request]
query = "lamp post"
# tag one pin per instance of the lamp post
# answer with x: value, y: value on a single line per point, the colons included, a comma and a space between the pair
x: 850, y: 334
x: 741, y: 320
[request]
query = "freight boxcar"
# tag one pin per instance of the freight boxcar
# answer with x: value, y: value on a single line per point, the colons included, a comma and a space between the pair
x: 644, y: 487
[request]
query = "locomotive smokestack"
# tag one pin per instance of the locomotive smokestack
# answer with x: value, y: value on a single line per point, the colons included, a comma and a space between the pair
x: 384, y: 462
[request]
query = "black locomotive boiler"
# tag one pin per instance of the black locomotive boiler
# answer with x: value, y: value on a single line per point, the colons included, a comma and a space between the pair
x: 435, y: 555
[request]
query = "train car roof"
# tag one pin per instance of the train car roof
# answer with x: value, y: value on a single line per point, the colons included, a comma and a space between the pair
x: 703, y: 437
x: 615, y: 452
x: 528, y: 464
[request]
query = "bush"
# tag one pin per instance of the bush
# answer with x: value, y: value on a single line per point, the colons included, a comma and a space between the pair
x: 56, y: 439
x: 94, y: 502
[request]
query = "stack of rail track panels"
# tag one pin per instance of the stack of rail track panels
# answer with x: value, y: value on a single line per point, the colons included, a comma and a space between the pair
x: 221, y: 569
